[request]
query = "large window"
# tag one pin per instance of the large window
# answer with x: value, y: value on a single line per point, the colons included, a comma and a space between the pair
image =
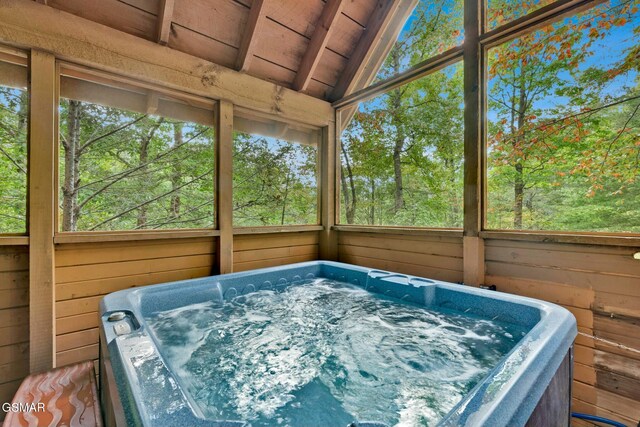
x: 133, y: 159
x: 564, y: 124
x: 275, y: 173
x: 432, y: 28
x: 402, y: 155
x: 14, y: 103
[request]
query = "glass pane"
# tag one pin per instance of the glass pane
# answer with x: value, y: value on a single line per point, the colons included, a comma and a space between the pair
x: 564, y: 125
x: 432, y: 28
x: 275, y: 173
x: 402, y: 155
x: 501, y: 12
x: 14, y: 105
x: 122, y: 168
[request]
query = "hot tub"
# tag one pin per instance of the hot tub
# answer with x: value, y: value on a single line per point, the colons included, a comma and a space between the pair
x: 326, y: 343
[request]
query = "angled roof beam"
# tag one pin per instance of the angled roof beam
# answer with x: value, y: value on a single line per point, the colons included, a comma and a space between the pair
x: 381, y: 32
x: 325, y: 27
x: 257, y: 14
x: 165, y: 16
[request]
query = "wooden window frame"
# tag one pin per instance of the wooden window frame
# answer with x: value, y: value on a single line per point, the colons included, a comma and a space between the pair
x: 478, y: 40
x: 321, y: 142
x: 71, y: 70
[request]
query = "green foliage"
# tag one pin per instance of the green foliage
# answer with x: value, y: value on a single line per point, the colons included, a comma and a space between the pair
x: 402, y: 154
x: 13, y: 160
x: 563, y: 146
x: 563, y: 128
x: 126, y: 171
x: 564, y: 134
x: 274, y: 182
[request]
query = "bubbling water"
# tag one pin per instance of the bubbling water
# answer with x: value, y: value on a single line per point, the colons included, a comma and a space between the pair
x: 328, y: 353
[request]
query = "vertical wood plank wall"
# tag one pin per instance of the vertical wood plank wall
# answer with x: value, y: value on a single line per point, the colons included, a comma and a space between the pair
x: 268, y: 250
x: 436, y: 257
x: 14, y: 320
x: 85, y: 272
x: 600, y: 285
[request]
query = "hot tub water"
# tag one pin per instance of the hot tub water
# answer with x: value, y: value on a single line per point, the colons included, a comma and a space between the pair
x: 328, y: 353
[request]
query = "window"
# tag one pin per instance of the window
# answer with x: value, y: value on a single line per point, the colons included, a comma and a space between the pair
x: 564, y: 125
x: 275, y: 173
x: 432, y: 28
x: 14, y: 106
x: 402, y: 155
x: 132, y: 158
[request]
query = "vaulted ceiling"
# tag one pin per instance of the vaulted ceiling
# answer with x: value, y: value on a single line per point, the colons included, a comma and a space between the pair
x: 322, y: 48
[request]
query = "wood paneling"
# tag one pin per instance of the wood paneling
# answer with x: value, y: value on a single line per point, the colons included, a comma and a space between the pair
x: 14, y: 319
x: 268, y: 250
x: 85, y: 272
x: 229, y: 33
x: 436, y: 257
x: 112, y: 13
x: 600, y: 285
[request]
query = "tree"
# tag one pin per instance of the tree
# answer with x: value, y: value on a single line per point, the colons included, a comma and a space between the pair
x: 125, y: 170
x: 407, y: 143
x: 558, y: 118
x: 274, y: 181
x: 13, y: 159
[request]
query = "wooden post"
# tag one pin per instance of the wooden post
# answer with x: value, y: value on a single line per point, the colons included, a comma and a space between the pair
x: 42, y: 208
x: 224, y: 185
x: 328, y: 236
x: 473, y: 252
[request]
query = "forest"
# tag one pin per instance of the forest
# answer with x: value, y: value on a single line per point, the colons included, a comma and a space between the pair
x: 562, y: 141
x: 126, y: 170
x: 563, y: 134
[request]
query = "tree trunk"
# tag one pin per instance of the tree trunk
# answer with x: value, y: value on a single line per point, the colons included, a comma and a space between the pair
x: 395, y: 100
x: 348, y: 193
x: 396, y: 120
x: 518, y: 183
x: 518, y: 194
x: 372, y: 209
x: 284, y: 199
x: 176, y: 175
x: 143, y: 160
x: 70, y: 210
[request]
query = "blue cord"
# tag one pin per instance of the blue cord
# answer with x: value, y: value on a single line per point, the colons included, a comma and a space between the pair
x: 596, y: 419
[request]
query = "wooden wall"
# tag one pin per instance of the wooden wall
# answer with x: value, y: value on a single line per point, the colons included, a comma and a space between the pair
x: 600, y: 285
x: 85, y: 272
x: 267, y: 250
x: 436, y: 257
x: 14, y: 319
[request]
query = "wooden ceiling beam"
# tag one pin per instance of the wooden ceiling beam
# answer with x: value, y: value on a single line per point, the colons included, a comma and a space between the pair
x: 325, y: 27
x: 257, y: 14
x: 381, y: 32
x: 165, y: 16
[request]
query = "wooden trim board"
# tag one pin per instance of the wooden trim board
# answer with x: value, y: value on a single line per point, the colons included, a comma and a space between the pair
x: 42, y: 209
x: 224, y: 186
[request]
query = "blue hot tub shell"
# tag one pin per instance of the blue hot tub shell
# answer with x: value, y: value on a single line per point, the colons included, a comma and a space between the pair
x: 138, y: 388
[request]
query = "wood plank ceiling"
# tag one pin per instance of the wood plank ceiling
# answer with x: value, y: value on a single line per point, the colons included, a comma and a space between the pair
x: 306, y: 45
